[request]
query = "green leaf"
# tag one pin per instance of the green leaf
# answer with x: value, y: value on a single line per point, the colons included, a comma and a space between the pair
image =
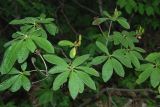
x: 88, y: 70
x: 27, y: 20
x: 149, y: 10
x: 73, y: 85
x: 154, y: 78
x: 153, y: 57
x: 53, y: 59
x: 65, y: 43
x: 73, y: 52
x: 107, y: 70
x: 98, y: 60
x: 86, y: 79
x: 23, y: 53
x: 26, y: 84
x: 17, y: 84
x: 7, y: 83
x: 134, y: 60
x: 138, y: 55
x: 80, y: 60
x: 10, y: 57
x: 44, y: 44
x: 118, y: 67
x: 30, y: 45
x: 144, y: 75
x: 120, y: 55
x: 105, y: 13
x: 139, y: 49
x: 51, y: 28
x: 141, y: 8
x: 81, y: 85
x: 123, y: 22
x: 98, y: 21
x: 102, y: 47
x: 60, y: 80
x: 14, y: 71
x: 57, y: 69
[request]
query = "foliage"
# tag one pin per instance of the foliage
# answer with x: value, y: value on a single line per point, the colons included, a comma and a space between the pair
x: 54, y: 69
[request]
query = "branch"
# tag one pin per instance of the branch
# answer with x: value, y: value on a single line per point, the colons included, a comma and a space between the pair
x: 84, y: 7
x: 100, y: 6
x: 66, y: 18
x: 113, y: 89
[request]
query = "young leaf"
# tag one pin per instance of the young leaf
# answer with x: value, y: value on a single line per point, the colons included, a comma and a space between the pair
x: 57, y: 69
x: 123, y: 22
x: 51, y: 28
x: 89, y: 70
x: 86, y: 79
x: 80, y: 60
x: 98, y: 60
x: 118, y: 67
x: 26, y: 84
x: 98, y: 21
x: 107, y: 70
x: 30, y: 45
x: 60, y: 80
x: 102, y: 47
x: 73, y: 52
x: 105, y: 13
x: 44, y: 44
x: 73, y: 85
x: 65, y: 43
x: 53, y: 59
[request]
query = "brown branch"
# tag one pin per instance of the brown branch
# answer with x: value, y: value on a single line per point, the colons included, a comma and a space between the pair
x: 100, y: 6
x: 66, y: 18
x: 84, y: 7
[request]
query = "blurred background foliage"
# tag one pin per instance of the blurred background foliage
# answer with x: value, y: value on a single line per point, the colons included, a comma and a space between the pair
x: 74, y: 17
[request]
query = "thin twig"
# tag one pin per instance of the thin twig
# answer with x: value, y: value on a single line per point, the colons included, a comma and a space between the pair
x: 66, y: 18
x: 36, y: 68
x: 44, y: 62
x: 84, y: 7
x: 100, y: 28
x: 109, y: 31
x: 100, y: 6
x: 35, y: 82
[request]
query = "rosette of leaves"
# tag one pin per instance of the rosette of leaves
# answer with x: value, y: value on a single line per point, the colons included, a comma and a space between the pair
x: 76, y: 73
x: 16, y: 80
x: 116, y: 60
x: 151, y: 70
x: 32, y: 35
x: 72, y: 45
x: 116, y: 17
